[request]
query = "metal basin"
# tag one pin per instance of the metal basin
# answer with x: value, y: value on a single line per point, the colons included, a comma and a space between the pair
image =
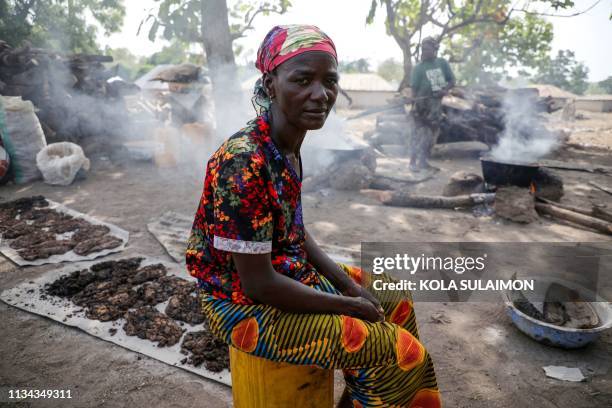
x: 508, y: 173
x: 558, y: 336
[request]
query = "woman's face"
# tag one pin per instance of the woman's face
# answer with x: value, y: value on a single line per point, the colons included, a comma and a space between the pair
x: 304, y: 89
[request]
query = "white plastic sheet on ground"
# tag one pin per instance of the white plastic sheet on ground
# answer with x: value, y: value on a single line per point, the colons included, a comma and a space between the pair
x: 69, y: 256
x: 26, y: 296
x: 172, y: 231
x: 60, y: 162
x: 572, y: 374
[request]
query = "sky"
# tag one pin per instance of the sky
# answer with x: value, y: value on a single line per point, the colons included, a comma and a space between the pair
x: 588, y: 35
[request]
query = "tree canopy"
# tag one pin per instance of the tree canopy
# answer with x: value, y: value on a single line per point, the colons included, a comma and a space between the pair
x: 606, y: 85
x: 183, y: 19
x: 391, y: 70
x: 59, y: 24
x: 485, y: 52
x: 488, y: 35
x: 564, y: 72
x: 360, y: 65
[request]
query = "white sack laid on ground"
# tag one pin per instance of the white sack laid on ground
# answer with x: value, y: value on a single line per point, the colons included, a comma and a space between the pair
x: 60, y: 162
x: 22, y: 136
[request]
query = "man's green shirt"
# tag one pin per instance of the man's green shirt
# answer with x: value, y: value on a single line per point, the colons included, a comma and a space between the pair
x: 430, y: 76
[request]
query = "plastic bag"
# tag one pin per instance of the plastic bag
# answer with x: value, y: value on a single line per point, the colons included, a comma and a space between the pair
x: 22, y: 136
x: 60, y: 162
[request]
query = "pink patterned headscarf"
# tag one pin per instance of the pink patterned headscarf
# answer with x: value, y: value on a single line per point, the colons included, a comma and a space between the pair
x: 281, y: 44
x: 285, y: 42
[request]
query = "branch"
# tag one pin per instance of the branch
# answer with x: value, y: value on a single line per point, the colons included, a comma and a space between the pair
x: 466, y: 52
x: 24, y: 9
x: 474, y: 19
x: 535, y: 13
x: 249, y: 24
x: 451, y: 11
x: 391, y: 22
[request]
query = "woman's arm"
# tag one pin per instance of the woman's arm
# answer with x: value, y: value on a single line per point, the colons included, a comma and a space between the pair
x: 262, y: 283
x: 325, y: 265
x: 330, y: 269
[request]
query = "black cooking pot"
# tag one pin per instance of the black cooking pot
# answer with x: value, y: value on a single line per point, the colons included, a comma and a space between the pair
x: 506, y: 173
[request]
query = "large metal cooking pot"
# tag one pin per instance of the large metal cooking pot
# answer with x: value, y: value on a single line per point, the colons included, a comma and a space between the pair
x: 503, y: 173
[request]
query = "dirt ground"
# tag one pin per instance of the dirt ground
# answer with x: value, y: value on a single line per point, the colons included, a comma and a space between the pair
x: 481, y: 359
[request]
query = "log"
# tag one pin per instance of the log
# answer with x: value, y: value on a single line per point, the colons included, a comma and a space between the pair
x: 576, y: 218
x: 602, y: 214
x: 406, y: 199
x: 595, y: 212
x: 600, y: 187
x: 453, y: 102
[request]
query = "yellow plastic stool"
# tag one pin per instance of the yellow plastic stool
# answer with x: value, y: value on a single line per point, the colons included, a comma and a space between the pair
x: 261, y: 383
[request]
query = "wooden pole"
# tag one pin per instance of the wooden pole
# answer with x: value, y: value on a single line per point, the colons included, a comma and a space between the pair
x: 405, y: 199
x: 576, y: 218
x: 595, y: 212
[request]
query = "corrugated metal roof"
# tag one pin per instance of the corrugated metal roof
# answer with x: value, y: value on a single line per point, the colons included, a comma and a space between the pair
x: 365, y: 82
x: 546, y: 90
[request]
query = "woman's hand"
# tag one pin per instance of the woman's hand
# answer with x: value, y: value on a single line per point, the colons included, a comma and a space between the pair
x: 364, y: 309
x: 355, y: 290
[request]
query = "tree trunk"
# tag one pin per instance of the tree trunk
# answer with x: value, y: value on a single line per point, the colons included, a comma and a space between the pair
x: 217, y: 41
x: 407, y: 67
x: 216, y: 35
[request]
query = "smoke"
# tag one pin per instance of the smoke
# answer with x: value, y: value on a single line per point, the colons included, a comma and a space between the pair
x: 524, y: 139
x: 322, y: 147
x: 183, y: 149
x: 232, y: 105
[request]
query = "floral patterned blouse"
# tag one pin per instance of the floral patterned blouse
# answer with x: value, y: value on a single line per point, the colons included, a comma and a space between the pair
x: 251, y: 204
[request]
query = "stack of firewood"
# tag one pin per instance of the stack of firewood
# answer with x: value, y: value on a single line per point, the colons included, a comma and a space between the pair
x: 470, y: 114
x: 68, y: 90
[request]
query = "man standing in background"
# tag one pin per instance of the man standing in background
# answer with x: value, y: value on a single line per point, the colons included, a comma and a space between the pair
x: 431, y: 79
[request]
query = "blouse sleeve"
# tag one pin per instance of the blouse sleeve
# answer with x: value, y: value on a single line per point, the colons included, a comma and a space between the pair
x: 242, y: 209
